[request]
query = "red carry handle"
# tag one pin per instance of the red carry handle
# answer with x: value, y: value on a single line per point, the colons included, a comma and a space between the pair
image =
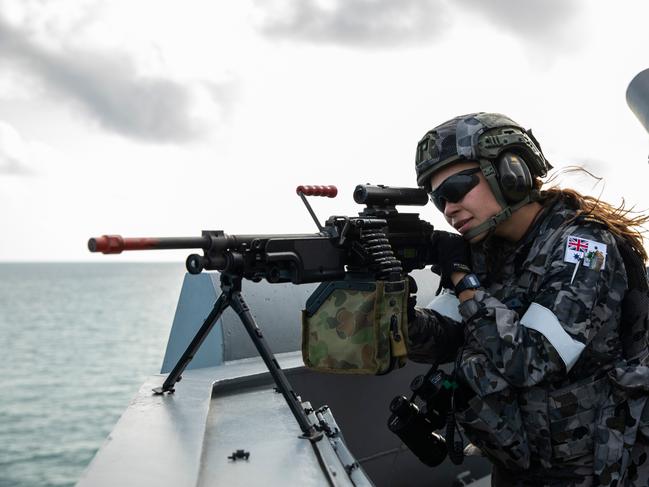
x: 328, y: 191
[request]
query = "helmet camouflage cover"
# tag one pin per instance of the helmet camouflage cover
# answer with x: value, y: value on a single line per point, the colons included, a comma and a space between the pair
x: 461, y: 139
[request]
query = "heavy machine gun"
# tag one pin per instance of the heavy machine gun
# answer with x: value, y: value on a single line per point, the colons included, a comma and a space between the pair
x: 380, y: 241
x: 380, y: 244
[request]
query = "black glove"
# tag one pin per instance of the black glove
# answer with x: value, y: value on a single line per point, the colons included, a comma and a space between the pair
x: 451, y: 254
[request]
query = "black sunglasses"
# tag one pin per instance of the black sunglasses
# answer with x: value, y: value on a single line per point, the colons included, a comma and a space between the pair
x: 455, y: 187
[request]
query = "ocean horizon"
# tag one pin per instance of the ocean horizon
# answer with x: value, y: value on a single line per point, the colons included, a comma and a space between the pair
x: 77, y: 339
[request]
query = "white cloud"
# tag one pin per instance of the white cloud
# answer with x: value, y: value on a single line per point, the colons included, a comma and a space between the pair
x: 107, y: 86
x: 359, y: 23
x: 541, y: 22
x: 391, y: 24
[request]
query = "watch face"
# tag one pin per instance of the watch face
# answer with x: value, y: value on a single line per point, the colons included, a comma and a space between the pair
x: 469, y: 281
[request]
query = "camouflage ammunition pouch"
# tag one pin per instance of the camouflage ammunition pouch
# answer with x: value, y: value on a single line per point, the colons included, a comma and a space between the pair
x: 356, y: 327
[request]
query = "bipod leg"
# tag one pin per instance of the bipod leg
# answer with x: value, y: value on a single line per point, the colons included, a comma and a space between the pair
x: 175, y: 375
x: 283, y: 385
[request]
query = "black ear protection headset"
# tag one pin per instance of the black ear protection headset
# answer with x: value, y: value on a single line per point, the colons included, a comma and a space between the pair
x: 510, y: 158
x: 514, y: 177
x: 515, y: 159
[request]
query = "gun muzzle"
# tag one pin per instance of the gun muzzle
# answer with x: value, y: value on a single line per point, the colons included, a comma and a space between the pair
x: 115, y: 244
x: 106, y: 244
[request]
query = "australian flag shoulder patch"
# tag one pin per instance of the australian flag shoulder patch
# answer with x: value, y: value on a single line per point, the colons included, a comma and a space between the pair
x: 590, y: 253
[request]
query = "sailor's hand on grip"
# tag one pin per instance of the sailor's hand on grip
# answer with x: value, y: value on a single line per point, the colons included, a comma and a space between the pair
x: 451, y: 253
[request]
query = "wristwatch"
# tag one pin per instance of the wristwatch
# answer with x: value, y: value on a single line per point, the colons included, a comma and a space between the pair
x: 470, y: 281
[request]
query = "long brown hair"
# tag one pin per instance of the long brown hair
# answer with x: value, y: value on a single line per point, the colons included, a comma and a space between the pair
x: 626, y: 223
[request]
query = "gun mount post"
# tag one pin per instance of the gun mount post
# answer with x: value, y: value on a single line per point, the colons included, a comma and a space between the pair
x: 231, y: 297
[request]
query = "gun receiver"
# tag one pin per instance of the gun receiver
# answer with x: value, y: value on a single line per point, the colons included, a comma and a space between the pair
x: 379, y: 241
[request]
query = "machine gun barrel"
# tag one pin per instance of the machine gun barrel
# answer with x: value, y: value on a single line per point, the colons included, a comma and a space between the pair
x: 116, y: 244
x: 296, y: 258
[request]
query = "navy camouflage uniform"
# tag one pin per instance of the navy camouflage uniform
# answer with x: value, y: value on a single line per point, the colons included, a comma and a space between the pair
x: 558, y: 396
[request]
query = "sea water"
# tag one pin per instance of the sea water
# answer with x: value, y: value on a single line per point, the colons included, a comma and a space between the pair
x: 76, y: 343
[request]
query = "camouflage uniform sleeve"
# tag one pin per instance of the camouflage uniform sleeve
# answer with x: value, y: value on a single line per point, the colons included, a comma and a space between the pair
x: 566, y: 313
x: 433, y: 337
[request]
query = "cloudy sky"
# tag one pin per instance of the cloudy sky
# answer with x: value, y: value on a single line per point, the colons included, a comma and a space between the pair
x: 149, y: 118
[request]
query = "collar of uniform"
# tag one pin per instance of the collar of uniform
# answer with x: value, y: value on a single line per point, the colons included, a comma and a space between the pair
x: 549, y: 207
x: 516, y: 251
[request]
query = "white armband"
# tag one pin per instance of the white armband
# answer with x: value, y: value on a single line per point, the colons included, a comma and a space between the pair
x: 446, y: 304
x: 544, y: 321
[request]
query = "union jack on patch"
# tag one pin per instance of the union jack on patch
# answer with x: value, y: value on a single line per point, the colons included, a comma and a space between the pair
x: 590, y: 253
x: 578, y: 244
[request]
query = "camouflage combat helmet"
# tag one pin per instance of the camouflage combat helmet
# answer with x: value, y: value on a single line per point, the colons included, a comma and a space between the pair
x: 484, y: 138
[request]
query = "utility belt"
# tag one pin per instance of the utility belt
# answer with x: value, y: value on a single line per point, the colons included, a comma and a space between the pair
x: 356, y: 327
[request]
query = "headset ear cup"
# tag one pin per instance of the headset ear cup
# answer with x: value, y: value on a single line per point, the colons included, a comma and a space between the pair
x: 514, y: 177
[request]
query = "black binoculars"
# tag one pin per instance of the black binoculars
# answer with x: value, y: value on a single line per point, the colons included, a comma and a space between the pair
x: 416, y: 426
